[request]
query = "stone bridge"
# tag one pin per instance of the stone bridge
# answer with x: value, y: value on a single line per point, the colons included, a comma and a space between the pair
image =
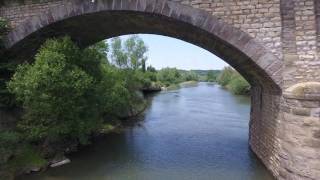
x: 274, y: 44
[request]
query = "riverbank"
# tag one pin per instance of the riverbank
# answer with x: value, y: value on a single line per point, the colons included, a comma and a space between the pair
x: 35, y: 159
x: 60, y: 150
x: 184, y: 84
x: 114, y: 125
x: 189, y: 133
x: 117, y: 126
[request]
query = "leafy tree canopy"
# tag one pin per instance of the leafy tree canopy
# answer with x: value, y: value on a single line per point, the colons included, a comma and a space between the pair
x: 59, y: 91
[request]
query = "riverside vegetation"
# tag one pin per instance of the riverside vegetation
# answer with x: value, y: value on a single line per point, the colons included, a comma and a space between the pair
x: 233, y: 81
x: 67, y: 95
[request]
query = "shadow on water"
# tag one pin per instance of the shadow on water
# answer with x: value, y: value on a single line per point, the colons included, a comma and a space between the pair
x: 195, y: 133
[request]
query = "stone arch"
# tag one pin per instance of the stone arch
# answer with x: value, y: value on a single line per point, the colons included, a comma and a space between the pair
x: 90, y: 21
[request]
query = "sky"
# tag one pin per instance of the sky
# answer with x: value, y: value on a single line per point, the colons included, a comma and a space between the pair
x: 170, y: 52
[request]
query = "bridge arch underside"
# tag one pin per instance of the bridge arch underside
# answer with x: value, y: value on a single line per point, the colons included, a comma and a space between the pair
x: 88, y: 23
x: 250, y: 58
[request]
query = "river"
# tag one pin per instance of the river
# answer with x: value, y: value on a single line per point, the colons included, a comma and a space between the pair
x: 194, y: 133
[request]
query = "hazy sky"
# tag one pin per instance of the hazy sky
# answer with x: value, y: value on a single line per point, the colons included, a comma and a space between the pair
x: 169, y: 52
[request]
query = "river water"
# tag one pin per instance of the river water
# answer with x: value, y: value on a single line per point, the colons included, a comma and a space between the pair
x: 194, y: 133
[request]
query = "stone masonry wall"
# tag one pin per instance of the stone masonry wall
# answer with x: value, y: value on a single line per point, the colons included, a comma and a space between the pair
x: 300, y: 41
x: 264, y: 128
x: 16, y: 12
x: 300, y: 139
x: 317, y: 13
x: 300, y: 132
x: 261, y: 19
x: 306, y: 40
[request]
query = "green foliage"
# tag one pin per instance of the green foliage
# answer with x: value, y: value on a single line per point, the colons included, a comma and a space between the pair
x: 102, y: 49
x: 135, y: 50
x: 151, y: 69
x: 169, y: 76
x: 130, y: 54
x: 118, y: 90
x: 212, y: 76
x: 149, y: 78
x: 59, y: 92
x: 233, y: 81
x: 9, y: 140
x: 27, y: 157
x: 106, y: 128
x: 238, y: 85
x: 118, y: 56
x: 66, y: 92
x: 226, y: 76
x: 190, y: 76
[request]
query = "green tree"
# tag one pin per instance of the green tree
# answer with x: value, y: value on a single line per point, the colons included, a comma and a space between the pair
x: 225, y: 76
x: 232, y: 80
x: 59, y: 92
x: 190, y: 76
x: 151, y: 69
x: 169, y: 76
x: 130, y: 54
x: 135, y: 50
x: 118, y: 56
x: 9, y: 140
x: 238, y: 85
x: 101, y: 49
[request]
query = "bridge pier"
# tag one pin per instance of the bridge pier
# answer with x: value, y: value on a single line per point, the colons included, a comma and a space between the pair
x: 288, y: 140
x: 300, y: 132
x: 264, y: 127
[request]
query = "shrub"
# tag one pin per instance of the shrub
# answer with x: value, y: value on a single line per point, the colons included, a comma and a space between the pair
x: 226, y: 76
x: 239, y: 85
x: 232, y: 80
x: 8, y: 142
x: 58, y: 92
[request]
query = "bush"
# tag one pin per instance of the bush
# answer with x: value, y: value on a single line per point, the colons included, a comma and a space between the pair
x: 239, y: 86
x: 169, y: 76
x: 58, y: 92
x: 8, y: 143
x: 232, y: 80
x: 65, y: 94
x: 226, y: 76
x: 27, y: 158
x: 212, y: 76
x: 190, y: 76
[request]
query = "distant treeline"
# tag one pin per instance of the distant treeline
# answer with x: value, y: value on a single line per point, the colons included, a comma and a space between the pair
x: 166, y: 77
x: 228, y: 78
x: 204, y: 75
